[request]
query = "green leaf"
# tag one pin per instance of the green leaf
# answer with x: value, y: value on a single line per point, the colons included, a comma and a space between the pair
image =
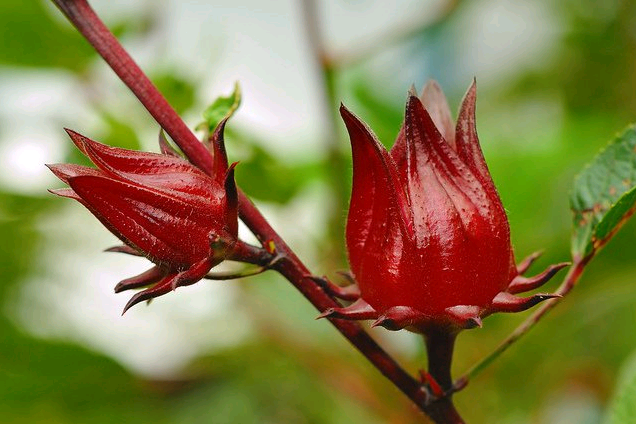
x: 604, y: 195
x: 177, y: 89
x: 622, y: 409
x: 221, y: 108
x: 32, y: 37
x: 263, y: 175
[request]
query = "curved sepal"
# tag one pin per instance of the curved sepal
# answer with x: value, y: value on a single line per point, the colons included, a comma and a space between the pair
x: 66, y: 192
x: 165, y: 284
x: 146, y: 278
x: 350, y: 292
x: 195, y: 273
x: 231, y: 198
x: 523, y: 266
x: 399, y: 317
x: 506, y: 302
x: 522, y: 284
x: 435, y: 103
x: 129, y: 163
x: 165, y: 147
x: 64, y: 171
x: 465, y: 316
x: 358, y: 310
x: 216, y: 145
x: 124, y: 249
x: 162, y: 287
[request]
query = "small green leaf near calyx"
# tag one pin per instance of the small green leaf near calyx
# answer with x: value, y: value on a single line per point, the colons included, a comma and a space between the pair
x: 604, y: 195
x: 222, y: 107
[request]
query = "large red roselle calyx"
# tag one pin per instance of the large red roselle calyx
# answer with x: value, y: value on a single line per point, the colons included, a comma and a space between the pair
x: 427, y: 235
x: 161, y: 207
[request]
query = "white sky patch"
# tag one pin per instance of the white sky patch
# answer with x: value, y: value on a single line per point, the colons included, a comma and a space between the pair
x: 34, y: 103
x: 75, y: 300
x: 22, y: 161
x: 501, y: 36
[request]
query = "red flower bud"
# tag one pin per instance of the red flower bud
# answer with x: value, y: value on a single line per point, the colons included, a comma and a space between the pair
x: 161, y: 207
x: 427, y: 235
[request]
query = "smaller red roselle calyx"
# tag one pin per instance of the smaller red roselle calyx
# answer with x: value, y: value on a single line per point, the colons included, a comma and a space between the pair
x: 427, y: 235
x: 161, y: 207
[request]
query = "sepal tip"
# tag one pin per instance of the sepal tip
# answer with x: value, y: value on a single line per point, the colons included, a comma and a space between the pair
x: 522, y: 284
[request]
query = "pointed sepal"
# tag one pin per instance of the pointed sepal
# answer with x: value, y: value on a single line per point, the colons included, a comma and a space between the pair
x: 522, y: 284
x: 399, y: 317
x: 466, y: 139
x: 162, y: 287
x: 65, y: 192
x: 358, y: 310
x: 350, y: 292
x: 124, y: 249
x: 436, y: 105
x: 195, y: 273
x: 216, y: 145
x: 165, y: 147
x: 465, y: 316
x: 146, y: 278
x: 523, y: 266
x: 231, y: 198
x: 65, y: 171
x: 507, y: 302
x: 130, y: 164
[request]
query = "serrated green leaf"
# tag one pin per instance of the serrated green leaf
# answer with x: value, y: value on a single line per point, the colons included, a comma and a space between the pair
x: 221, y: 108
x: 604, y: 195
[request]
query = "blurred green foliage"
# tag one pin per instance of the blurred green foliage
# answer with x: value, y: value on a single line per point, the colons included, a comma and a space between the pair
x: 280, y: 376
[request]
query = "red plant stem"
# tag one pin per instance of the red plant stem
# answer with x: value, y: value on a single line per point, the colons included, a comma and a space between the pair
x: 92, y: 28
x: 439, y: 351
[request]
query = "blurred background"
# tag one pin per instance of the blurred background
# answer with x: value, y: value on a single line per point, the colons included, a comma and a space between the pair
x: 556, y: 82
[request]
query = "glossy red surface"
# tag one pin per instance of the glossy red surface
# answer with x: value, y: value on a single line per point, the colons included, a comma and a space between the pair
x: 162, y: 206
x: 426, y: 228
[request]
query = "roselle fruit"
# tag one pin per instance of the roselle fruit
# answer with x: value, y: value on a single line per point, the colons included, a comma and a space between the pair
x: 161, y: 207
x: 427, y: 235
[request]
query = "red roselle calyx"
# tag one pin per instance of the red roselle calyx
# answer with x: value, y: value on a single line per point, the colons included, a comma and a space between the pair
x: 161, y: 207
x: 427, y: 235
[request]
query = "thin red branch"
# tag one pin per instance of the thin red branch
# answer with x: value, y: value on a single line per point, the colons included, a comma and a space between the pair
x: 88, y: 23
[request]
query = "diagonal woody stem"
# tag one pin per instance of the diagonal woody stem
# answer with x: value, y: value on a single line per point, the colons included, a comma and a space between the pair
x: 92, y: 28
